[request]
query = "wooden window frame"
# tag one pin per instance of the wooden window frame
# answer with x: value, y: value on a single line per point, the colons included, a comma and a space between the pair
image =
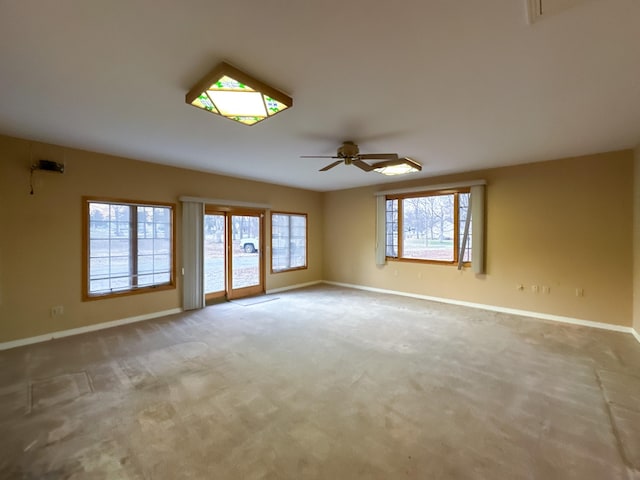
x: 229, y: 211
x: 306, y: 240
x: 133, y: 239
x: 456, y: 225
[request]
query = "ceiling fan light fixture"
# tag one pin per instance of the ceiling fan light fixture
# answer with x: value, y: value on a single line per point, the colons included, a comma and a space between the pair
x: 401, y: 166
x: 233, y: 94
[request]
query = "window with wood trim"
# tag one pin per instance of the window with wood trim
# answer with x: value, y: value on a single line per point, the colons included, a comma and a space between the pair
x: 128, y: 247
x: 288, y: 241
x: 428, y: 226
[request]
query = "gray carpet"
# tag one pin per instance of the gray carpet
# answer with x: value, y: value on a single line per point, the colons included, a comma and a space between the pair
x: 325, y: 383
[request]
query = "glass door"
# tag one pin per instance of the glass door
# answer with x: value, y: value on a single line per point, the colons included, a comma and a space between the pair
x: 246, y: 253
x: 215, y: 258
x: 233, y: 254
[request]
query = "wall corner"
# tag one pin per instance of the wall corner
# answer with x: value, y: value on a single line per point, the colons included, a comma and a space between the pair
x: 636, y: 242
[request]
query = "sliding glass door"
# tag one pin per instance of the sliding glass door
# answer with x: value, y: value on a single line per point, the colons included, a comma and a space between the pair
x: 246, y: 255
x: 233, y: 254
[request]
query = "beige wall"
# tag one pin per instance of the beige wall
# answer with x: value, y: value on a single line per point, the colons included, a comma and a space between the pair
x: 565, y: 224
x: 40, y: 245
x: 636, y: 240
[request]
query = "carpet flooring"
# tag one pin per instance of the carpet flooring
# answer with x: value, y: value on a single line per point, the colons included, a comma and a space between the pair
x: 325, y: 383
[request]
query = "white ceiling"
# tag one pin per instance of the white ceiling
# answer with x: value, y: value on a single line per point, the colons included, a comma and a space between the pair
x: 457, y: 85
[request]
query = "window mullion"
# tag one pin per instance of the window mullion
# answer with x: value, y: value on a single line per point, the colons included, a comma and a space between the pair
x: 456, y: 226
x: 133, y: 232
x: 400, y: 229
x: 288, y: 240
x: 289, y: 252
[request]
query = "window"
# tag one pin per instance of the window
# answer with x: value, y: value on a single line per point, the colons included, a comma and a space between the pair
x: 128, y: 247
x: 288, y: 241
x: 427, y: 226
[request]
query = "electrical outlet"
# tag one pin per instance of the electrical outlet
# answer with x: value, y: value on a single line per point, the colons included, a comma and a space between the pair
x: 57, y: 311
x: 395, y: 273
x: 520, y: 287
x: 579, y: 292
x: 546, y: 289
x: 535, y: 288
x: 419, y: 275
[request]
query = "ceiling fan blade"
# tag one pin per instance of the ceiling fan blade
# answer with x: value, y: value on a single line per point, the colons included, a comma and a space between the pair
x: 362, y: 165
x: 331, y: 165
x: 316, y: 156
x: 379, y: 156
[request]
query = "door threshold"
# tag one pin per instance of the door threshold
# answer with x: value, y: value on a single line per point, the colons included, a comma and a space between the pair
x: 254, y: 300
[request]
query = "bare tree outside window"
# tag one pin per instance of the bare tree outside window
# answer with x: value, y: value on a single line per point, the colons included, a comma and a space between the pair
x: 432, y: 225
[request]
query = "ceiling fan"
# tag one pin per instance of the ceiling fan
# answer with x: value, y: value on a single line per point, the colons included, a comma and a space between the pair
x: 349, y: 154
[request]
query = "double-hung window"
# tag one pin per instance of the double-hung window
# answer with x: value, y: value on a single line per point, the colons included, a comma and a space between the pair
x: 288, y: 241
x: 428, y: 226
x: 128, y: 247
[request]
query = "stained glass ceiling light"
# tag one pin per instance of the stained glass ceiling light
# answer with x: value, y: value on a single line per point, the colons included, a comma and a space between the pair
x: 397, y: 167
x: 233, y: 94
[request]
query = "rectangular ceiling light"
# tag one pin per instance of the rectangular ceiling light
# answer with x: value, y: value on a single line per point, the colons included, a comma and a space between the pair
x: 231, y: 93
x: 397, y: 167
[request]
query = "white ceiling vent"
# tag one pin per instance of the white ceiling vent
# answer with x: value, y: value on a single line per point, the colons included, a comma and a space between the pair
x: 537, y: 9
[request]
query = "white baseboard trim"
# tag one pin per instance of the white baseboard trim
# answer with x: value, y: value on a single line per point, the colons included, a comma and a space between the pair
x: 494, y: 308
x: 89, y: 328
x: 293, y: 287
x: 140, y: 318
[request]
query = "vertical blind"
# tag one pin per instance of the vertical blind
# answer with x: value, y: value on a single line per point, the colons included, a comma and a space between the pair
x: 192, y: 255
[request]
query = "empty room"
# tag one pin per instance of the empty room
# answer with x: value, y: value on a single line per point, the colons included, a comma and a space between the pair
x: 320, y: 240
